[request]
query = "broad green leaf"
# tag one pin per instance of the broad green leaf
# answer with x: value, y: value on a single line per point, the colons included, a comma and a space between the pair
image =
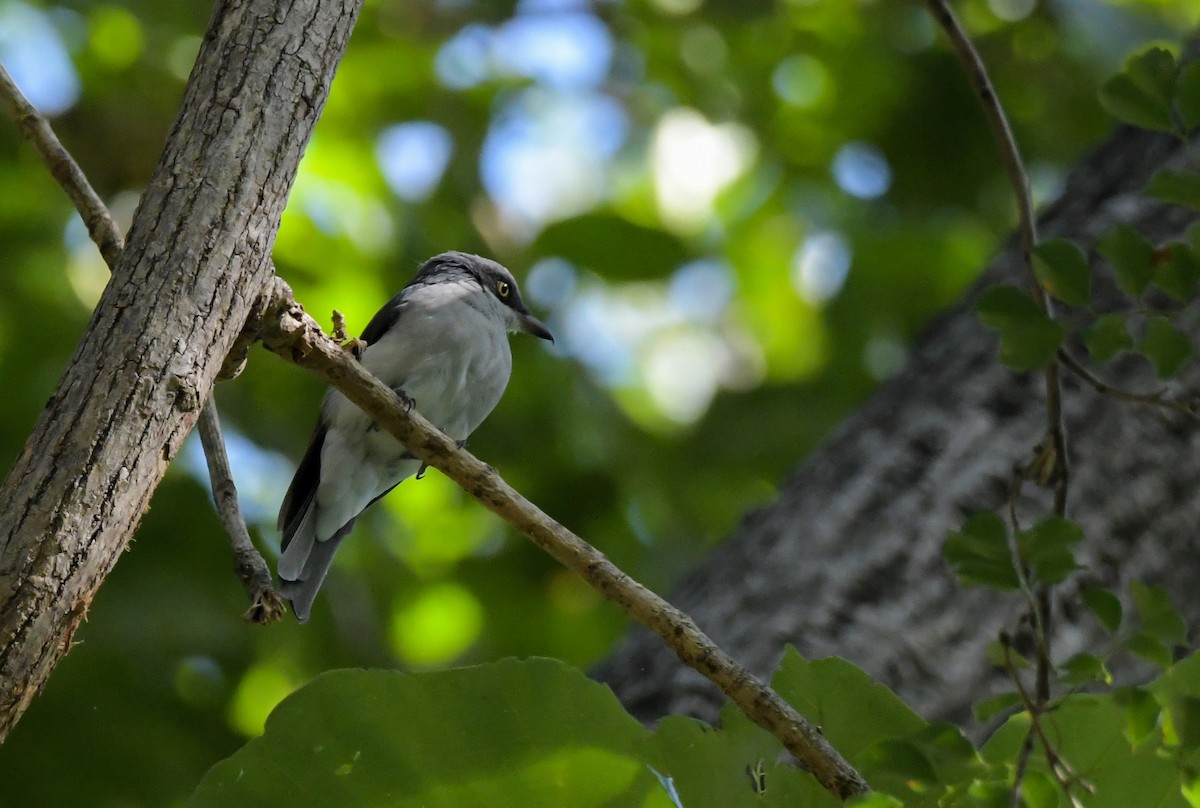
x: 1085, y: 668
x: 1131, y: 258
x: 1140, y: 711
x: 1107, y: 336
x: 1149, y: 647
x: 1153, y: 71
x: 1028, y: 338
x: 989, y: 708
x: 1167, y: 348
x: 1063, y: 270
x: 1047, y: 548
x: 1122, y: 98
x: 1156, y: 614
x: 853, y: 711
x: 1002, y: 657
x: 979, y: 553
x: 874, y: 799
x: 530, y: 733
x: 1141, y: 93
x: 1039, y: 790
x: 1181, y: 725
x: 1089, y: 734
x: 1176, y: 187
x: 713, y: 767
x: 1177, y: 271
x: 614, y: 247
x: 1105, y: 605
x: 1187, y: 95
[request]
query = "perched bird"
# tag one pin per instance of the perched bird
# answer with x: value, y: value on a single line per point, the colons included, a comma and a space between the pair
x: 443, y: 343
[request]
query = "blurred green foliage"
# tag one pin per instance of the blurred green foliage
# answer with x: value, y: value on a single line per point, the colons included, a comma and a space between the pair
x: 735, y: 215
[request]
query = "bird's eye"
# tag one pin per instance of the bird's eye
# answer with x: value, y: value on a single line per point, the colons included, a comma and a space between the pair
x: 502, y: 288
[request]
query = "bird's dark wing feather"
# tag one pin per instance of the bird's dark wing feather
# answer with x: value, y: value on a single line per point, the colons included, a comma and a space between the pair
x: 384, y: 319
x: 304, y: 486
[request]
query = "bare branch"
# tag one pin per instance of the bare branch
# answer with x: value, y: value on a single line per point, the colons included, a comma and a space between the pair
x: 1159, y: 398
x: 62, y: 165
x: 1054, y: 450
x: 1019, y: 180
x: 266, y: 605
x: 291, y: 333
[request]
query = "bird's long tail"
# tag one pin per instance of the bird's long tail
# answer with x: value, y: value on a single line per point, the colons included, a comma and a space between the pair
x: 305, y: 562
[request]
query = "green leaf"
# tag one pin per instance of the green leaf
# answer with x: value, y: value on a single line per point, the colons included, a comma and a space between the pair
x: 1178, y: 271
x: 1153, y: 70
x: 1141, y: 94
x: 1028, y: 338
x: 1156, y: 614
x: 1167, y: 348
x: 1182, y: 727
x: 854, y: 711
x: 1140, y: 710
x: 989, y: 708
x: 1039, y: 790
x: 1131, y: 257
x: 714, y: 767
x: 1063, y: 270
x: 1104, y: 604
x: 530, y: 733
x: 1123, y: 99
x: 1107, y: 336
x: 1149, y: 647
x: 874, y: 799
x: 1047, y: 548
x: 1176, y: 187
x: 1086, y: 732
x: 1187, y: 95
x: 1085, y: 668
x: 614, y: 247
x: 979, y: 553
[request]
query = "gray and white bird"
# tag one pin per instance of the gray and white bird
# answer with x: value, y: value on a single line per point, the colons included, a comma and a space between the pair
x: 443, y: 343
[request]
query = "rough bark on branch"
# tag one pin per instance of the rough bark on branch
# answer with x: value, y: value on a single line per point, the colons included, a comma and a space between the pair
x: 847, y: 561
x: 196, y: 259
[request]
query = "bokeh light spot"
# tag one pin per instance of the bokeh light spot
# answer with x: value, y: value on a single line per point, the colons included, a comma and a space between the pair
x: 800, y: 80
x: 115, y: 37
x: 861, y: 170
x: 820, y: 266
x: 36, y: 58
x: 442, y: 622
x: 413, y: 157
x: 259, y: 691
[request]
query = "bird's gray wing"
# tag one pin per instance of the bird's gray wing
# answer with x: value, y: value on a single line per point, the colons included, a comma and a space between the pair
x: 303, y: 488
x: 384, y: 319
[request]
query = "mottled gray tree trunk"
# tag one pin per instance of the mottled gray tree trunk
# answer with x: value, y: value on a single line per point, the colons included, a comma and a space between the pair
x: 196, y: 259
x: 847, y: 561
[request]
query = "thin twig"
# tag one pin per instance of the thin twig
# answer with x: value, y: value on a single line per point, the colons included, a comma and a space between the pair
x: 1056, y: 430
x: 1156, y: 399
x: 62, y: 165
x: 253, y: 572
x: 265, y: 604
x: 1060, y: 770
x: 291, y: 333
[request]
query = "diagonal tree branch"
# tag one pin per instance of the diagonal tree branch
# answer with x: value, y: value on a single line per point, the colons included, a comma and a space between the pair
x: 37, y: 131
x: 291, y: 333
x: 195, y: 262
x: 265, y: 603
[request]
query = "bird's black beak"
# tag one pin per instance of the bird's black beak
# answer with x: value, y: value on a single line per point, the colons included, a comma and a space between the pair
x: 532, y: 325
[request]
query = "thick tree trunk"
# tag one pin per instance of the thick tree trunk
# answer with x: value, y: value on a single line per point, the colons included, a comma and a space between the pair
x: 847, y: 561
x: 196, y: 259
